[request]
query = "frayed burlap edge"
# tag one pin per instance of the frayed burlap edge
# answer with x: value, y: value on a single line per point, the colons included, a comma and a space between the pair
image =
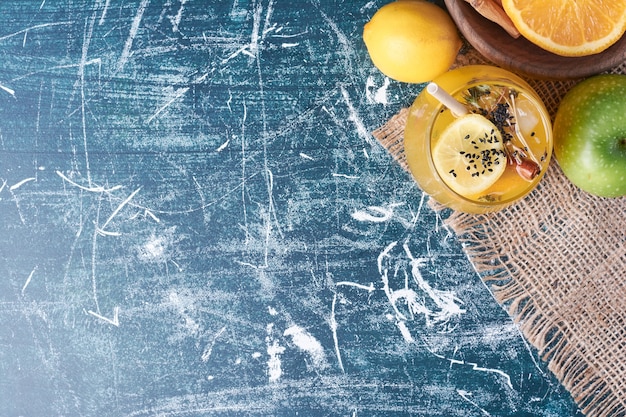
x: 557, y: 262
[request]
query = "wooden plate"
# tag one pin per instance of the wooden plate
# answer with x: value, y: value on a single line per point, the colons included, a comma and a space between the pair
x: 521, y: 56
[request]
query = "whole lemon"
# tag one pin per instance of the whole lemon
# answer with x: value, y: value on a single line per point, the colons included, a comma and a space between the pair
x: 411, y: 41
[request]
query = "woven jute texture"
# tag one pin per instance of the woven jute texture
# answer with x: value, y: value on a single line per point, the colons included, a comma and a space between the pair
x: 557, y: 262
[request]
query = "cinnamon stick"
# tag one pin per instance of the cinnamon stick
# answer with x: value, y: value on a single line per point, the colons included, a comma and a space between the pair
x: 492, y: 10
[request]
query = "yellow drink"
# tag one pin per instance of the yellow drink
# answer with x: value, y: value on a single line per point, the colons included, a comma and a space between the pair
x: 517, y: 112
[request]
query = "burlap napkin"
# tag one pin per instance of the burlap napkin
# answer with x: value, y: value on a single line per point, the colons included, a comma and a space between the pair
x: 557, y: 261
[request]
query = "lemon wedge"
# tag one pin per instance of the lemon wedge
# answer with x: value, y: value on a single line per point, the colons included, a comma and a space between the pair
x: 469, y: 155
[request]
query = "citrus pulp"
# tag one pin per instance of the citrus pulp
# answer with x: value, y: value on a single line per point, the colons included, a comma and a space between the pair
x: 569, y: 28
x: 469, y: 155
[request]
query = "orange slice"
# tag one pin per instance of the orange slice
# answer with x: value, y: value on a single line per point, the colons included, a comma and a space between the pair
x: 569, y: 27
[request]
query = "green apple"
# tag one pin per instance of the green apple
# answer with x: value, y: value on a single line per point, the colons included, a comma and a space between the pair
x: 590, y: 135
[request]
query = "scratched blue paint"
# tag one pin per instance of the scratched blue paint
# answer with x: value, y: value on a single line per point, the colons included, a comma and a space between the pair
x: 195, y: 221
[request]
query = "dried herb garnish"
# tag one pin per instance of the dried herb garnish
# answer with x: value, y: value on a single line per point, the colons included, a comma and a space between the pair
x: 498, y: 105
x: 473, y: 94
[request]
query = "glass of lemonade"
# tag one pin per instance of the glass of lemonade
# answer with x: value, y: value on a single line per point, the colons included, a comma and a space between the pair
x: 488, y: 158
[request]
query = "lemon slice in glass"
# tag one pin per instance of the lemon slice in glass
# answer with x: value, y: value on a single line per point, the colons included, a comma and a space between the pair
x: 469, y: 155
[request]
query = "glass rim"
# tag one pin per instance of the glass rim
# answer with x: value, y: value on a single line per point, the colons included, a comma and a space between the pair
x: 530, y: 93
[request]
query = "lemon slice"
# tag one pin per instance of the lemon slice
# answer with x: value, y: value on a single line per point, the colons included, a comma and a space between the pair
x: 469, y: 155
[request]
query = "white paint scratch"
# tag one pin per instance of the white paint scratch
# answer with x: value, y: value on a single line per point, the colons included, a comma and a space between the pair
x: 104, y: 12
x: 274, y: 350
x: 87, y: 36
x: 101, y: 230
x: 475, y: 367
x: 333, y: 328
x: 223, y: 146
x: 381, y: 94
x: 24, y: 31
x: 132, y: 34
x: 146, y: 213
x: 368, y: 288
x: 30, y: 277
x: 8, y: 90
x: 243, y: 50
x: 446, y: 301
x: 16, y: 200
x: 209, y: 349
x: 354, y: 117
x: 465, y: 395
x: 178, y: 94
x: 156, y: 248
x: 333, y: 319
x: 256, y: 27
x: 309, y: 344
x: 19, y: 184
x: 375, y: 214
x: 267, y: 27
x: 375, y: 94
x: 404, y: 331
x: 93, y: 61
x: 179, y: 15
x: 115, y: 321
x: 350, y: 177
x: 97, y: 189
x: 416, y: 298
x: 244, y: 207
x: 184, y: 304
x: 94, y: 245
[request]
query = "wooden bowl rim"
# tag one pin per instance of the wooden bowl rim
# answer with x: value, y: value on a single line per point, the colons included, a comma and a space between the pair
x: 523, y: 57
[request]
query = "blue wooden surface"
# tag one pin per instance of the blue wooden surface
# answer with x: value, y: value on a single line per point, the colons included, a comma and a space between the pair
x: 196, y: 221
